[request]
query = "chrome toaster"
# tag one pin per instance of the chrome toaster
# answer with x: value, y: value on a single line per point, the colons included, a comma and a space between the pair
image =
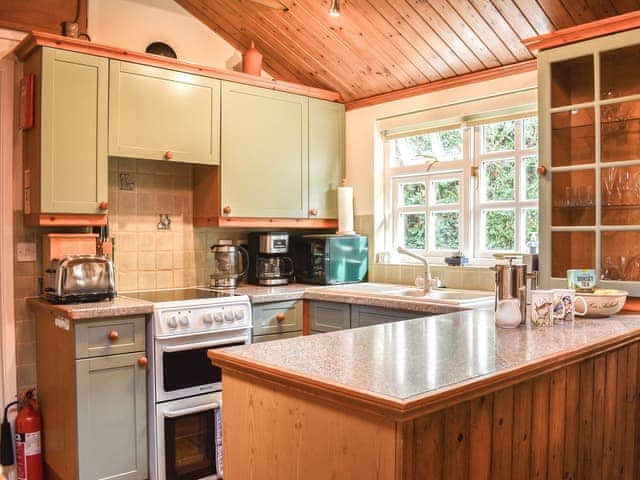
x: 79, y: 278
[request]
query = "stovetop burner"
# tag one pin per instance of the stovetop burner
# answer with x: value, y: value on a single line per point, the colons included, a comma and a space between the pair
x: 178, y: 295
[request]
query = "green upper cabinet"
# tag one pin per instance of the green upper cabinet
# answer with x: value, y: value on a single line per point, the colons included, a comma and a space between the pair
x: 161, y: 114
x: 326, y: 157
x: 73, y: 157
x: 264, y: 157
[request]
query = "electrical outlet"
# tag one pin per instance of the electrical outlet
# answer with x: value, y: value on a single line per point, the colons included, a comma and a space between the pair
x: 26, y: 252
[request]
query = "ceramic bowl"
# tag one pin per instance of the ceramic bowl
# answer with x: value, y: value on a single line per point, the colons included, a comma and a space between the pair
x: 603, y: 302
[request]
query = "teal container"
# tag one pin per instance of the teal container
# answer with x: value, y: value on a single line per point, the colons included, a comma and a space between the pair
x: 326, y: 259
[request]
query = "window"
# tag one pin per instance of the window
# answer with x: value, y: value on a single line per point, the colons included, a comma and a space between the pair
x: 439, y: 205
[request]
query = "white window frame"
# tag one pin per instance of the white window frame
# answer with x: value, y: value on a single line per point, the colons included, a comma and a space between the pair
x: 519, y: 204
x: 467, y: 170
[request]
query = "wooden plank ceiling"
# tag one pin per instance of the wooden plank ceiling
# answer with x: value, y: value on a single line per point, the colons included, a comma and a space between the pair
x: 378, y: 46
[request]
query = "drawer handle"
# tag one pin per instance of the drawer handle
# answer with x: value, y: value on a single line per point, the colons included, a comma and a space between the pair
x: 143, y: 361
x: 104, y: 206
x: 168, y: 154
x: 542, y: 170
x: 314, y: 212
x: 226, y: 210
x: 113, y: 335
x: 280, y: 317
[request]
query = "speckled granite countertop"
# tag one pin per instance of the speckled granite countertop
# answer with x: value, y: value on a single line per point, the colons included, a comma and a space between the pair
x: 118, y: 307
x: 261, y: 294
x: 403, y: 363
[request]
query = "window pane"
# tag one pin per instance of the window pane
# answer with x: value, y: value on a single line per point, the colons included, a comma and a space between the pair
x: 413, y: 194
x: 499, y: 137
x: 530, y: 132
x: 446, y: 192
x: 499, y: 179
x: 413, y: 228
x: 529, y: 167
x: 530, y: 225
x: 446, y: 227
x: 418, y: 149
x: 499, y: 229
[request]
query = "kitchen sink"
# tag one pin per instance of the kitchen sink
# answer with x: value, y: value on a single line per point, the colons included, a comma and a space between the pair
x: 446, y: 296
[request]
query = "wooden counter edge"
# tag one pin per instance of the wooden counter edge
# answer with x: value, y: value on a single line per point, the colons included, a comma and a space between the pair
x: 65, y: 310
x: 415, y: 407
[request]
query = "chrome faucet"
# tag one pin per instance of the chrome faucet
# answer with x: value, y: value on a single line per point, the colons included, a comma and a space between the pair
x: 427, y: 268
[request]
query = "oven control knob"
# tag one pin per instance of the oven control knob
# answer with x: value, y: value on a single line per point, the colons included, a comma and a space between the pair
x: 208, y: 318
x: 218, y: 317
x: 184, y: 320
x: 239, y: 314
x: 172, y: 322
x: 228, y: 316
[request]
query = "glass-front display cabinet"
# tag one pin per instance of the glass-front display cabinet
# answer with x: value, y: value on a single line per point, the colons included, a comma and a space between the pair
x: 589, y: 105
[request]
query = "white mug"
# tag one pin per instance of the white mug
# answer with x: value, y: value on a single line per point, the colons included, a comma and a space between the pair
x: 542, y: 308
x: 567, y: 299
x: 508, y: 313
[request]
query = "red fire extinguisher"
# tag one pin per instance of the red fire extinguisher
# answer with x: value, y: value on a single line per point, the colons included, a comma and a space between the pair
x: 28, y: 445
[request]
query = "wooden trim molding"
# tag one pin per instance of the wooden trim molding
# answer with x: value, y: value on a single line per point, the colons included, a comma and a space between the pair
x: 8, y: 388
x: 43, y: 39
x: 459, y: 81
x: 64, y: 220
x: 238, y: 222
x: 586, y: 31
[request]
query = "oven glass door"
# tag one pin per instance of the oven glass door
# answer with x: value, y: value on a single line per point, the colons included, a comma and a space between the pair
x: 188, y: 366
x: 193, y: 447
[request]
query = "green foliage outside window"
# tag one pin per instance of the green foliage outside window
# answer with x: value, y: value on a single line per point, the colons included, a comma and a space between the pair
x: 447, y: 192
x: 530, y: 132
x: 414, y: 194
x: 447, y: 230
x: 500, y: 229
x: 531, y: 177
x: 414, y: 228
x: 499, y: 179
x: 445, y: 145
x: 499, y: 137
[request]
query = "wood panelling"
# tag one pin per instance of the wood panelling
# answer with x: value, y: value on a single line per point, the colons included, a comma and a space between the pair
x: 580, y: 421
x: 46, y: 15
x: 380, y: 46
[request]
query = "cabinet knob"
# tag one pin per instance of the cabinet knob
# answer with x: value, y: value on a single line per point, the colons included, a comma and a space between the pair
x: 542, y: 170
x: 168, y: 154
x: 313, y: 212
x: 280, y: 317
x: 226, y: 210
x: 143, y: 361
x: 114, y: 335
x: 104, y: 206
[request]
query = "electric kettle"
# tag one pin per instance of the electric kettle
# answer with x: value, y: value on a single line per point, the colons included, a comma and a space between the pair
x: 230, y: 263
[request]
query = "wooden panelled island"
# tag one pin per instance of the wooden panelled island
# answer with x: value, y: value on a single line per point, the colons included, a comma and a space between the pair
x: 442, y: 397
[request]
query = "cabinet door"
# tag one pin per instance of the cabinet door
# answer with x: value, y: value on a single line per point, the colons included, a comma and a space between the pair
x: 277, y: 317
x: 74, y: 176
x: 112, y: 417
x: 329, y: 316
x: 362, y: 316
x: 326, y: 157
x: 264, y: 152
x: 162, y: 114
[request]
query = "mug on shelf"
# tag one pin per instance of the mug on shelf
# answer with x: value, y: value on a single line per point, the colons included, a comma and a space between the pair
x: 564, y: 305
x: 542, y: 314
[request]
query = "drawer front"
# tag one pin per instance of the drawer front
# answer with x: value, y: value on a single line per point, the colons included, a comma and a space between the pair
x: 276, y: 336
x: 277, y: 317
x: 329, y: 316
x: 362, y: 316
x: 110, y: 336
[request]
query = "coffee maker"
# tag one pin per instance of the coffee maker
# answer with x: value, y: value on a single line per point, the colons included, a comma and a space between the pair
x: 268, y: 261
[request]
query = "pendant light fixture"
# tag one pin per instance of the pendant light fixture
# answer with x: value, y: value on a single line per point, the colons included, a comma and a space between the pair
x: 334, y: 10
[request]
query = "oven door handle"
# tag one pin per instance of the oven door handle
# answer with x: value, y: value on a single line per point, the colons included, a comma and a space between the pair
x: 209, y: 343
x: 189, y: 411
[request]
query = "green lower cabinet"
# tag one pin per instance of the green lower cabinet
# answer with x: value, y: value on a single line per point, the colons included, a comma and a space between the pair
x: 277, y: 317
x: 162, y: 114
x: 326, y: 157
x: 73, y: 156
x: 329, y: 316
x: 112, y: 417
x: 362, y: 315
x: 264, y: 156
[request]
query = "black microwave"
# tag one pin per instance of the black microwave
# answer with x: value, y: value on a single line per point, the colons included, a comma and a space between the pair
x: 326, y: 259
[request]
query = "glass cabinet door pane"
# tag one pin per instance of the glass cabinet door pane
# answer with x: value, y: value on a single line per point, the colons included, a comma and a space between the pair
x: 572, y: 137
x: 620, y: 192
x: 572, y: 250
x: 572, y: 81
x: 619, y: 72
x: 620, y: 131
x: 573, y: 198
x: 620, y: 258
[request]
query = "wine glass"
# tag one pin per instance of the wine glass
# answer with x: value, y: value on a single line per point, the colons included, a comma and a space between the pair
x: 609, y: 179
